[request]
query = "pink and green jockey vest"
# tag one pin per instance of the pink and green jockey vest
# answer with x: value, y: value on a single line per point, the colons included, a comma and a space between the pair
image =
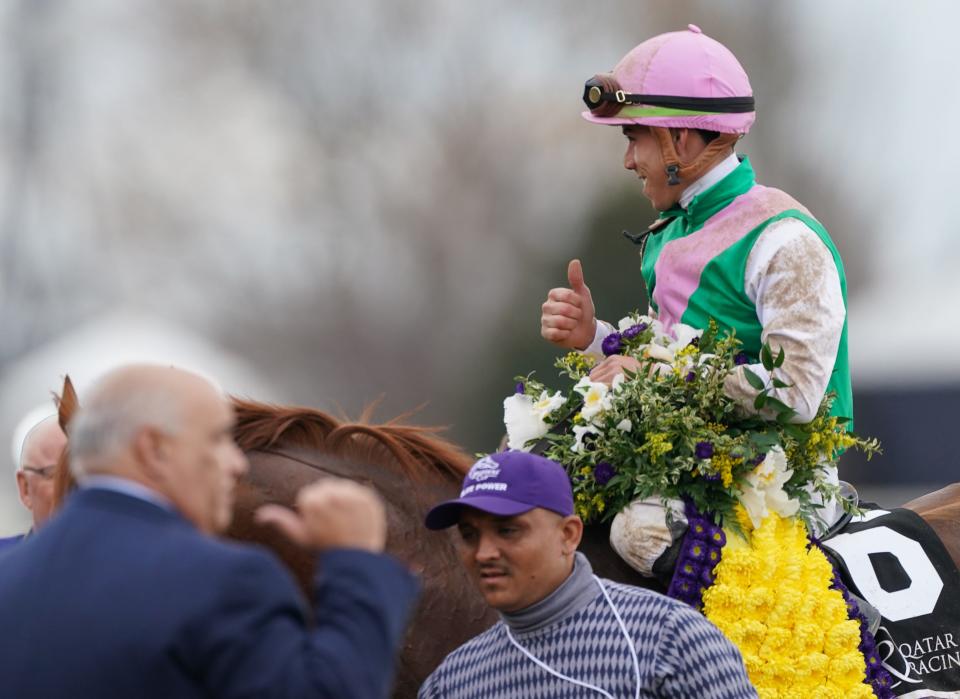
x: 699, y: 257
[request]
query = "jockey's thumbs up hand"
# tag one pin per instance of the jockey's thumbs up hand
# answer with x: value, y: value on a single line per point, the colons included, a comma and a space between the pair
x: 567, y: 316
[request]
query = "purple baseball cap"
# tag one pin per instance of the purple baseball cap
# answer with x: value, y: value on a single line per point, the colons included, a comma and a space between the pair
x: 508, y: 483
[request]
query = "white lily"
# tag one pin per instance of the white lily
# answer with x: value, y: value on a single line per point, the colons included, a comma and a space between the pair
x: 659, y: 353
x: 763, y: 492
x: 596, y: 397
x: 546, y: 404
x: 524, y: 417
x: 683, y: 335
x: 579, y: 432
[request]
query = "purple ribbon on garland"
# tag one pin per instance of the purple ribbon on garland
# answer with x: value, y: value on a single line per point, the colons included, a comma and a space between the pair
x: 877, y: 676
x: 700, y: 553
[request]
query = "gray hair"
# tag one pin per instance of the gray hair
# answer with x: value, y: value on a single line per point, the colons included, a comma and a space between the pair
x: 108, y: 423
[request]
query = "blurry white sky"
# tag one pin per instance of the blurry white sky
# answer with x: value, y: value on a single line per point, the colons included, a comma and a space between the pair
x: 875, y: 97
x: 350, y: 195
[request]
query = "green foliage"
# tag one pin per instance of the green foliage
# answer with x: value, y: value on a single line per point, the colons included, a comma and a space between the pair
x: 670, y: 429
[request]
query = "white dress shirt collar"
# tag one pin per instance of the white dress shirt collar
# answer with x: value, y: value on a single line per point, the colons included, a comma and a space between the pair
x: 127, y: 487
x: 714, y: 175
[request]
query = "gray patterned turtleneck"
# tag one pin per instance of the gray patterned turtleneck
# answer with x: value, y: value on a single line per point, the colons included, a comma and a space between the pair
x: 574, y: 594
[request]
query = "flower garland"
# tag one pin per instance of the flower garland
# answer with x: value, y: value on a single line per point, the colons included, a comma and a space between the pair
x: 670, y: 430
x: 774, y: 597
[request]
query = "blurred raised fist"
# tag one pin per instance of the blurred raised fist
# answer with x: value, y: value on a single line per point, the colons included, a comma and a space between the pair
x: 332, y: 513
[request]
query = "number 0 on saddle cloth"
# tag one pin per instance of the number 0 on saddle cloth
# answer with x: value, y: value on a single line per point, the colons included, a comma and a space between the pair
x: 895, y: 561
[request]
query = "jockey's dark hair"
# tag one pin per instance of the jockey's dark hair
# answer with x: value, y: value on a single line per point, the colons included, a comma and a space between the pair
x: 707, y: 136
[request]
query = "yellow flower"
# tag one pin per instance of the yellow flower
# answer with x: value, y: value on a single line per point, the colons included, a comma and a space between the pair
x: 723, y: 464
x: 743, y: 519
x: 577, y: 363
x: 657, y: 444
x: 598, y: 503
x: 772, y: 598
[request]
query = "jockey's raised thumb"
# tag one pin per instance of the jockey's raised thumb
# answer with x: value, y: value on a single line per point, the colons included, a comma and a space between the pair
x: 575, y: 277
x: 582, y: 335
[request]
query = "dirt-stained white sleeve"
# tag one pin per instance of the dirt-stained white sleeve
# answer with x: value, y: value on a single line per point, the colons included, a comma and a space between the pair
x: 793, y: 281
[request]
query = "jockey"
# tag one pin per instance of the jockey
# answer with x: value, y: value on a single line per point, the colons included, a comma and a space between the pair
x: 724, y: 247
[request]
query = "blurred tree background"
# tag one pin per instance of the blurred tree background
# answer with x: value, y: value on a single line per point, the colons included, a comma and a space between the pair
x: 612, y: 271
x: 371, y: 199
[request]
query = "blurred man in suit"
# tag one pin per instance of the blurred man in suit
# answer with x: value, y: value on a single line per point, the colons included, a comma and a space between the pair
x: 125, y: 594
x: 37, y: 461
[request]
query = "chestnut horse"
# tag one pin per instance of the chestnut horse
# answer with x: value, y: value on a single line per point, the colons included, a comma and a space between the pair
x: 412, y: 468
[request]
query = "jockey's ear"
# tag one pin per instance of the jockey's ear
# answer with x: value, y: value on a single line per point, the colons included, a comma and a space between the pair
x: 572, y: 530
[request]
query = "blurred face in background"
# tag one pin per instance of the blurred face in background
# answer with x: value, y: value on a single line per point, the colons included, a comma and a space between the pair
x: 41, y: 450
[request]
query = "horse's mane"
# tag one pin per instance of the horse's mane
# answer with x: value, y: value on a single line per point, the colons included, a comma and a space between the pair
x: 267, y: 427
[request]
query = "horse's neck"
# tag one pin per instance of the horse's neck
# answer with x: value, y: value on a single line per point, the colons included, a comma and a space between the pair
x: 941, y: 510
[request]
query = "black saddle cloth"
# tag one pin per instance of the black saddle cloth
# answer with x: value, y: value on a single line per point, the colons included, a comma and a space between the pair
x: 897, y: 563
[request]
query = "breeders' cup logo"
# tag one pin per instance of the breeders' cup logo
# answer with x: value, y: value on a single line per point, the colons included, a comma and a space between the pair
x: 485, y: 469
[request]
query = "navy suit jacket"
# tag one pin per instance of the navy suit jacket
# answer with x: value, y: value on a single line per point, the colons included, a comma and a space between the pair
x: 117, y: 597
x: 9, y: 542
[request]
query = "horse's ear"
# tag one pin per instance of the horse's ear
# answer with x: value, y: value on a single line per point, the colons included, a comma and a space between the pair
x: 67, y: 403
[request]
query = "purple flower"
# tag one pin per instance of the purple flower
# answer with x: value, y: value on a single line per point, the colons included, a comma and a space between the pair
x: 633, y: 331
x: 519, y: 387
x: 758, y: 459
x: 694, y: 551
x: 612, y: 344
x: 741, y: 358
x: 698, y: 529
x: 603, y: 472
x: 699, y: 555
x: 704, y: 450
x: 690, y: 377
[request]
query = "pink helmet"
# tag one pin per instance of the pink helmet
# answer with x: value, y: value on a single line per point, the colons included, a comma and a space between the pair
x: 679, y: 79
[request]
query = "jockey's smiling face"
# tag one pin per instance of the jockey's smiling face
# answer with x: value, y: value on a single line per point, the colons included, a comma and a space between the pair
x: 643, y: 156
x: 517, y: 561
